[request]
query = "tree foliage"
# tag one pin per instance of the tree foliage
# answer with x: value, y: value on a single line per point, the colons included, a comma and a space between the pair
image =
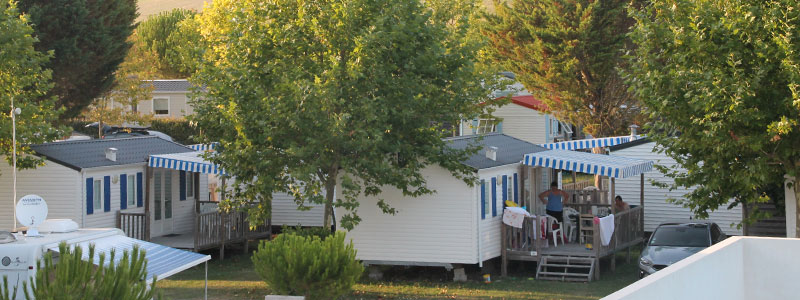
x: 70, y: 276
x: 568, y: 53
x: 89, y: 41
x: 308, y: 265
x: 720, y: 79
x: 23, y: 78
x: 305, y: 95
x: 158, y: 40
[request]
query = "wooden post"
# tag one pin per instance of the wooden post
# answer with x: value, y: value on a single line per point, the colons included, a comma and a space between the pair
x: 503, y: 250
x: 746, y: 227
x: 641, y: 204
x: 613, y: 192
x: 596, y: 244
x: 147, y: 226
x: 222, y: 236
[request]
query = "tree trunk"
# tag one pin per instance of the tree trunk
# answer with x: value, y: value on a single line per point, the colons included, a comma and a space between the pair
x: 598, y: 180
x: 330, y: 185
x: 100, y: 129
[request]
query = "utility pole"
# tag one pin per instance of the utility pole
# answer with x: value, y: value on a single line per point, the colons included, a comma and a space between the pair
x: 14, y: 112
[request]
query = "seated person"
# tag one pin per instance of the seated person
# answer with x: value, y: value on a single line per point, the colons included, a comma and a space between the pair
x: 620, y: 205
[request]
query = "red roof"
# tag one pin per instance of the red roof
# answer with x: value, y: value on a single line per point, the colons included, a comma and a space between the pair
x: 530, y: 102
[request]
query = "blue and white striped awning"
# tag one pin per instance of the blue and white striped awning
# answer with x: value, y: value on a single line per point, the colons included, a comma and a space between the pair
x: 592, y: 143
x: 162, y: 261
x: 188, y: 161
x: 203, y: 147
x: 591, y: 163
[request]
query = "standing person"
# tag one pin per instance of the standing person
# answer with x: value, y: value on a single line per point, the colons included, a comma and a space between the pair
x: 554, y: 201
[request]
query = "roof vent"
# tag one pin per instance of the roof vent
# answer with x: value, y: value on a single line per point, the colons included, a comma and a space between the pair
x: 111, y: 154
x: 633, y: 128
x: 491, y: 153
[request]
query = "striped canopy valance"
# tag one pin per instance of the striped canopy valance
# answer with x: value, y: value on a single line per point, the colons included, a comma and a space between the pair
x: 606, y: 165
x: 203, y: 147
x: 188, y: 161
x: 592, y: 143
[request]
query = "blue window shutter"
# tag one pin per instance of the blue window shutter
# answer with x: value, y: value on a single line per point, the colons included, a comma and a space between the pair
x: 494, y: 196
x: 123, y: 191
x: 516, y: 192
x: 505, y: 189
x: 483, y: 199
x: 182, y: 180
x: 107, y: 193
x: 89, y: 196
x: 475, y: 126
x: 500, y: 127
x: 139, y: 202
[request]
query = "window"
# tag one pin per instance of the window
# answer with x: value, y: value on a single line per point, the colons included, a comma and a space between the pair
x: 487, y: 196
x: 98, y: 195
x: 161, y: 106
x: 190, y: 185
x: 131, y: 190
x: 167, y: 194
x: 486, y: 126
x: 157, y: 189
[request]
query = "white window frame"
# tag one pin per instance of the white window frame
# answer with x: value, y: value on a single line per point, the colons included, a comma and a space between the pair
x: 487, y: 195
x: 153, y: 105
x: 97, y: 189
x: 131, y: 190
x: 486, y: 124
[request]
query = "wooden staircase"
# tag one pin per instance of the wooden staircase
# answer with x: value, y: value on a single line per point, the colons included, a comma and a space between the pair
x: 566, y: 268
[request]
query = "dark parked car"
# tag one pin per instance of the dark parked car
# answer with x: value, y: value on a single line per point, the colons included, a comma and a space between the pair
x: 674, y: 241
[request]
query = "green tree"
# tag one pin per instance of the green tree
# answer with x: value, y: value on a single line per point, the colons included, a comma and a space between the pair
x: 303, y: 95
x: 89, y: 41
x: 159, y: 38
x: 720, y: 79
x: 568, y: 54
x: 23, y: 79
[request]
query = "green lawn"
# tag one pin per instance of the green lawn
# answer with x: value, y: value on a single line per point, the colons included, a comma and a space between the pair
x: 234, y: 278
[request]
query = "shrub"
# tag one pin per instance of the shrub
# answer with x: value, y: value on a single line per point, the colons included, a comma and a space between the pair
x: 308, y: 265
x: 72, y: 277
x: 181, y: 130
x: 320, y: 232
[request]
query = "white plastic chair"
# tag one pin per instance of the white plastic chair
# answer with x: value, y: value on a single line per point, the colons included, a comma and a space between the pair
x: 570, y: 228
x: 555, y: 233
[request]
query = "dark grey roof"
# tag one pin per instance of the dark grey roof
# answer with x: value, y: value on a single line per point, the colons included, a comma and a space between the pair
x: 171, y: 85
x: 627, y: 145
x: 91, y: 153
x: 509, y: 149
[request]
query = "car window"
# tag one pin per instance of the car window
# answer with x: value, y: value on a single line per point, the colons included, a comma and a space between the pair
x: 681, y: 236
x: 716, y: 234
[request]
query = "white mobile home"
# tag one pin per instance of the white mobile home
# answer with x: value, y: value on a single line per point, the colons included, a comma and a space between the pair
x: 91, y: 181
x: 657, y: 209
x: 459, y: 224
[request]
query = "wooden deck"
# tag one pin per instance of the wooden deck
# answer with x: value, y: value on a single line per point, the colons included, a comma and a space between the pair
x: 180, y: 241
x: 526, y: 243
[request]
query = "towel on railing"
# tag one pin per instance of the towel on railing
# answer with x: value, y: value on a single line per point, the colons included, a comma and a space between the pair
x: 515, y: 216
x: 606, y: 229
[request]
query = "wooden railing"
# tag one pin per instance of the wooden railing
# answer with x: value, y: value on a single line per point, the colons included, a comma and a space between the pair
x: 520, y: 243
x: 135, y: 225
x: 578, y: 185
x: 628, y: 231
x: 588, y: 196
x: 216, y: 228
x: 207, y: 206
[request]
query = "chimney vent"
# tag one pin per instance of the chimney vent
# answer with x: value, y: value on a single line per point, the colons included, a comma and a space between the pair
x: 111, y: 154
x: 491, y: 153
x: 633, y: 128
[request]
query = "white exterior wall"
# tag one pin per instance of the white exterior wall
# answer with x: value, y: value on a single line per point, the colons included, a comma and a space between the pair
x: 285, y: 212
x: 58, y: 185
x: 179, y: 106
x: 656, y: 207
x: 749, y: 268
x: 490, y: 242
x: 791, y: 207
x: 435, y: 229
x: 99, y: 217
x: 518, y: 121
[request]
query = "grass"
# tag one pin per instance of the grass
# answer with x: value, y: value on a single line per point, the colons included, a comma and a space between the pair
x: 234, y: 278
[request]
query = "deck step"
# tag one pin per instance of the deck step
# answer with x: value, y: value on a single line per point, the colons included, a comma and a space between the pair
x: 565, y: 268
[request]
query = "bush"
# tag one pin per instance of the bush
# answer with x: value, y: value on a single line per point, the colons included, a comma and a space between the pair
x: 308, y: 265
x: 75, y: 278
x: 320, y: 232
x: 179, y: 129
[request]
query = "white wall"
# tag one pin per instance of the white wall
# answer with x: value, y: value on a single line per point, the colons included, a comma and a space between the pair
x: 518, y: 121
x: 183, y: 212
x: 656, y: 207
x: 179, y: 106
x: 285, y: 212
x: 58, y: 185
x: 438, y: 228
x: 737, y: 268
x: 490, y: 226
x: 99, y: 217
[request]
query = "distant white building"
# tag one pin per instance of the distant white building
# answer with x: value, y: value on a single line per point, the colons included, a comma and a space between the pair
x: 171, y: 98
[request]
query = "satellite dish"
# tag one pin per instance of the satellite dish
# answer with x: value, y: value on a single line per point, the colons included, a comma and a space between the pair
x: 31, y: 211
